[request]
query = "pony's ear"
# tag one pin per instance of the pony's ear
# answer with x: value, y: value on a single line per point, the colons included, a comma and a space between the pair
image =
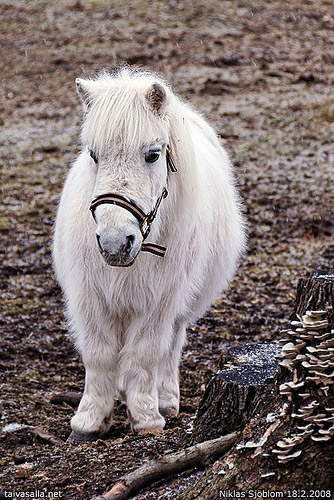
x: 83, y: 90
x: 157, y: 98
x: 88, y: 90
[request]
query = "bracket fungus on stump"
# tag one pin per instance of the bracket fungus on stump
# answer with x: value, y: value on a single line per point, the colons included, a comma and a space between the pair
x: 308, y: 353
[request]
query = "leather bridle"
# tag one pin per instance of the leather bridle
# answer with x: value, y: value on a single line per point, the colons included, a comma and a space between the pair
x: 145, y: 220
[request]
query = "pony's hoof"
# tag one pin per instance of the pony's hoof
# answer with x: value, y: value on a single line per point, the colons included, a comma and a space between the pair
x: 169, y: 412
x: 153, y: 430
x: 83, y: 437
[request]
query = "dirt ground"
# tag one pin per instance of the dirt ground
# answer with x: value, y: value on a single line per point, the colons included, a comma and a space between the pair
x: 262, y: 73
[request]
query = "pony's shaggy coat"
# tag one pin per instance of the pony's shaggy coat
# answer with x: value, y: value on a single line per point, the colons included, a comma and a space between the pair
x: 129, y: 322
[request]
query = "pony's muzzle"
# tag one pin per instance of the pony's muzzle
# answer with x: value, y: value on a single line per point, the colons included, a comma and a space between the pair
x: 117, y: 251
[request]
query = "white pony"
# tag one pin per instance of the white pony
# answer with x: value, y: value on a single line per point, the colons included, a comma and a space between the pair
x: 128, y: 309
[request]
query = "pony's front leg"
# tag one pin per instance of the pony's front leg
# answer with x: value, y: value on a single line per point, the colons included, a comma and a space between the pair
x: 138, y: 382
x: 95, y: 412
x: 97, y: 343
x: 168, y: 375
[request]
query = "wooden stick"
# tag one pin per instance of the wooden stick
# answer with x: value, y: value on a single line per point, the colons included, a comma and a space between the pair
x: 47, y: 436
x: 71, y: 398
x: 198, y: 456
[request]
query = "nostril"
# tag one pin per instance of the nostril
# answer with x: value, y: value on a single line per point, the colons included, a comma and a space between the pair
x: 129, y: 243
x: 99, y: 243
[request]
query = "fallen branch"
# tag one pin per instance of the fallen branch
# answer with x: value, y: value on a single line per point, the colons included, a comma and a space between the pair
x: 71, y: 398
x: 38, y: 431
x: 198, y: 456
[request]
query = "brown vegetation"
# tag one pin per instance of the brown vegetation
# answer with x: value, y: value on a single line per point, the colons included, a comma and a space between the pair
x: 262, y: 72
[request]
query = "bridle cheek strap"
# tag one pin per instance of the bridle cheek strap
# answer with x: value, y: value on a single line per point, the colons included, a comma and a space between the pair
x: 145, y: 220
x: 153, y: 248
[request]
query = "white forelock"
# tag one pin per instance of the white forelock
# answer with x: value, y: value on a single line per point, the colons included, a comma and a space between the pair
x: 118, y: 112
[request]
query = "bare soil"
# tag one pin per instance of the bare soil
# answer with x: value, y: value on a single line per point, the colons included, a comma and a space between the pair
x: 262, y: 73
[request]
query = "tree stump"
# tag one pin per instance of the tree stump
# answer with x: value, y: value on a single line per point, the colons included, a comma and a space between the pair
x: 314, y: 293
x: 234, y: 393
x: 287, y: 444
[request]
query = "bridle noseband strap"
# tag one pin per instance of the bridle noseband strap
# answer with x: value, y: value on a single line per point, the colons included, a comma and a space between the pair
x: 116, y: 199
x: 145, y: 220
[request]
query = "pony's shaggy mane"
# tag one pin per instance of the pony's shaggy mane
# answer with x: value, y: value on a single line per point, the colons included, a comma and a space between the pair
x: 119, y: 112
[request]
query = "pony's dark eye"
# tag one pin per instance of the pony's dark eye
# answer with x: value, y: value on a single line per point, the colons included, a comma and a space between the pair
x: 152, y: 156
x: 93, y: 156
